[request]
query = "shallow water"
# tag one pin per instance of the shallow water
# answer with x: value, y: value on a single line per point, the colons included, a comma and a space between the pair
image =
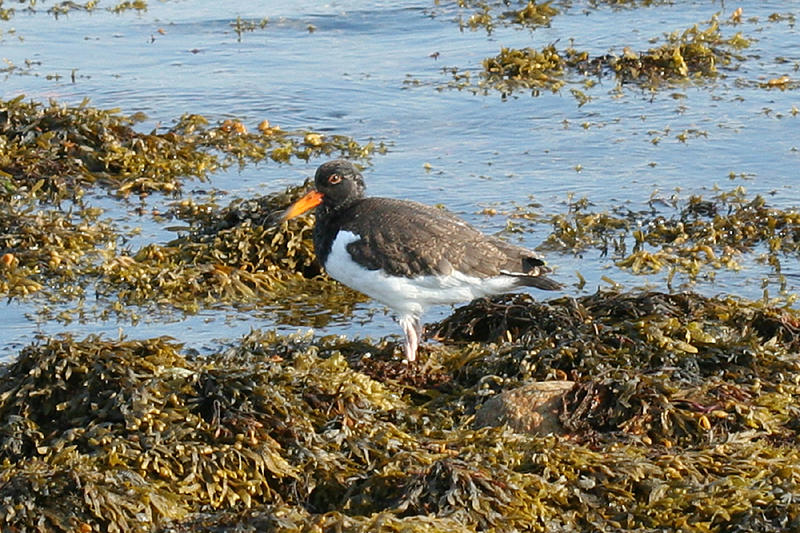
x: 373, y: 70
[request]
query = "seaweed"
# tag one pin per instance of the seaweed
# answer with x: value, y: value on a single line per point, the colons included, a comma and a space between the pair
x: 43, y: 247
x: 70, y: 148
x: 57, y: 246
x: 241, y: 26
x: 531, y: 14
x: 527, y: 68
x: 667, y: 366
x: 693, y: 54
x: 67, y: 6
x: 701, y: 234
x: 131, y: 434
x: 683, y: 415
x: 239, y: 255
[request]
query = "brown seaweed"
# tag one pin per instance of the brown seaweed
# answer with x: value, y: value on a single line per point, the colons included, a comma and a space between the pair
x: 56, y: 246
x: 684, y: 415
x: 61, y: 150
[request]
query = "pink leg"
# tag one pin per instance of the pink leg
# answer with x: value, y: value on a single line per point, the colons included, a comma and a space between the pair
x: 418, y: 330
x: 413, y: 333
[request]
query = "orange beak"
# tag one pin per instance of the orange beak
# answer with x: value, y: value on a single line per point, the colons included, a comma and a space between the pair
x: 309, y: 201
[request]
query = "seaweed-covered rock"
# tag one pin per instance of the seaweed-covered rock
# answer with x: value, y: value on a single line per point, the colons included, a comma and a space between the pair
x: 665, y: 366
x: 683, y: 416
x: 130, y: 434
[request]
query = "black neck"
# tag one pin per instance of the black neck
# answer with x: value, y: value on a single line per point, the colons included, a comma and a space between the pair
x: 325, y: 229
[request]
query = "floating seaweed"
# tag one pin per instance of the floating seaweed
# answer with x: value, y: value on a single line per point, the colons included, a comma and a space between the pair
x: 531, y: 14
x: 692, y: 54
x: 701, y: 234
x: 67, y: 6
x: 527, y: 68
x: 630, y: 3
x: 70, y: 148
x: 241, y: 26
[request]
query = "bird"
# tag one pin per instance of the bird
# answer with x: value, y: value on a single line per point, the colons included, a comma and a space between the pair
x: 408, y: 255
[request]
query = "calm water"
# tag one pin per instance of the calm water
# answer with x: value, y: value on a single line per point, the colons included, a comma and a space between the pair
x: 348, y: 77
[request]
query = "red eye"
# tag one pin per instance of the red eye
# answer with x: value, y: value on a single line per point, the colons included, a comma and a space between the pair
x: 334, y: 179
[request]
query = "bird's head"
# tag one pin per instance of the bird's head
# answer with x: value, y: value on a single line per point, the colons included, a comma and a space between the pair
x: 336, y: 184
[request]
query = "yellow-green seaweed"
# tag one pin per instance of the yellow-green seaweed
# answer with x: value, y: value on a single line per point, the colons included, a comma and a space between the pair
x: 684, y: 416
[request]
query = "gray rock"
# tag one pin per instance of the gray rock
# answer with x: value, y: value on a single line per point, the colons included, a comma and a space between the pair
x: 532, y: 408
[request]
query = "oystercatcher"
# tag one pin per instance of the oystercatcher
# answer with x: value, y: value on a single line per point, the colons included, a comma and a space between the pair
x: 408, y: 255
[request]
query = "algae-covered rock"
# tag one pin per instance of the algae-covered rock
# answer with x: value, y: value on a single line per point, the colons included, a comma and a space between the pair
x: 131, y: 434
x: 665, y: 366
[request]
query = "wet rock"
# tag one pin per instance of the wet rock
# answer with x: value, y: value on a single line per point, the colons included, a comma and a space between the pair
x: 532, y: 408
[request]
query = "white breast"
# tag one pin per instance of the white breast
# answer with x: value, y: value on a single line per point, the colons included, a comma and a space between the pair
x: 408, y: 295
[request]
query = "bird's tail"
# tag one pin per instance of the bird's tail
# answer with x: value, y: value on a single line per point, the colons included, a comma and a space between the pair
x: 534, y: 275
x: 540, y: 282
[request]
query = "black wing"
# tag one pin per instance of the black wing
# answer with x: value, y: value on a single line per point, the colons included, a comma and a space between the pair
x: 411, y: 239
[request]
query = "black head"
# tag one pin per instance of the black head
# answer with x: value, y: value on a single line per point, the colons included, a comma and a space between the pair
x: 339, y: 182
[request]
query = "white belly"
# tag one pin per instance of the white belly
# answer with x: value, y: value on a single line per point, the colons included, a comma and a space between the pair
x: 408, y: 295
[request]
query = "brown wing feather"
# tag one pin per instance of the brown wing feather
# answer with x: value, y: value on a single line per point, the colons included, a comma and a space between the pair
x: 441, y: 242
